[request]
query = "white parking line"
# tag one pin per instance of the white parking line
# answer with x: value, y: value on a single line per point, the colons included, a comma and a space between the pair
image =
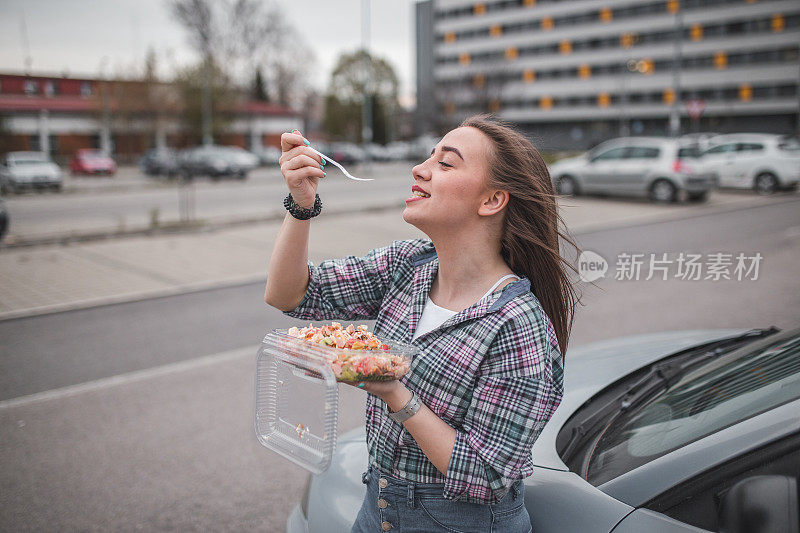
x: 129, y: 377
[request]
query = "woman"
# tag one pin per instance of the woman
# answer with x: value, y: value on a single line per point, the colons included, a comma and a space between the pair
x: 450, y: 442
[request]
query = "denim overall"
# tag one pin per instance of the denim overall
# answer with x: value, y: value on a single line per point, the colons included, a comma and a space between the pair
x: 398, y: 505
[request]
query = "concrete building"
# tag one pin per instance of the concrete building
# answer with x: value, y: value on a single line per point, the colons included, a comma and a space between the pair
x: 60, y: 115
x: 573, y: 73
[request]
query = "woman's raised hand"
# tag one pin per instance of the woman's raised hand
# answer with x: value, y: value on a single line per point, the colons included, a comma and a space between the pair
x: 301, y: 168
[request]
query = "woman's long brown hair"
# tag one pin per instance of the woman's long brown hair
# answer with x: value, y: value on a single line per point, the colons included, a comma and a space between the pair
x: 530, y: 232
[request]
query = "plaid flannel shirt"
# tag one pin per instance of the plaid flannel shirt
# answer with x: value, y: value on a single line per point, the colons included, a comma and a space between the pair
x: 493, y: 371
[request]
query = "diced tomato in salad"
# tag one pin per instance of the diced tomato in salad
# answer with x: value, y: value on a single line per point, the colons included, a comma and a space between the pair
x: 352, y: 365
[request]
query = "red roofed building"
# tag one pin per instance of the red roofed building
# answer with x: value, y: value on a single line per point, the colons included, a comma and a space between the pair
x: 125, y: 117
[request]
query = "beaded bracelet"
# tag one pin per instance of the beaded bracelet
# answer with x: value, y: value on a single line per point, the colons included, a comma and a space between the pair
x: 302, y: 213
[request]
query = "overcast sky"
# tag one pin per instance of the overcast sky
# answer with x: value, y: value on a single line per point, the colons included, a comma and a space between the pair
x: 71, y: 36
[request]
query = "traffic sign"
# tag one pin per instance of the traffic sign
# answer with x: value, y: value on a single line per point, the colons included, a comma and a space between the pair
x: 695, y: 107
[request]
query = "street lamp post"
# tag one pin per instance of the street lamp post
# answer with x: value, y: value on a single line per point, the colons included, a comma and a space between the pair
x: 205, y: 103
x: 677, y: 59
x: 627, y: 68
x: 366, y: 108
x: 105, y: 131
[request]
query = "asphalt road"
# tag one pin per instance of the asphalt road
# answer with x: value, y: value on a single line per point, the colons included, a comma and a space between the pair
x: 132, y: 205
x: 155, y: 447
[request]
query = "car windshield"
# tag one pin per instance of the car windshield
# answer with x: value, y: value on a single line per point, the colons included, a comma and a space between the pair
x: 689, y: 152
x: 29, y: 160
x: 91, y: 154
x: 718, y: 394
x: 789, y: 145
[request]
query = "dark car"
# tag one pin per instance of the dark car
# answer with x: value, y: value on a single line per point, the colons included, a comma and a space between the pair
x: 159, y: 162
x: 346, y: 153
x: 686, y: 431
x: 216, y: 162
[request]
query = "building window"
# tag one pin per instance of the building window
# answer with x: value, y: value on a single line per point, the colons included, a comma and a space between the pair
x: 86, y: 89
x: 31, y: 87
x: 49, y: 88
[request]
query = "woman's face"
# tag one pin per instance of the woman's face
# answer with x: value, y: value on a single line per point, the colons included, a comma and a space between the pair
x: 455, y: 177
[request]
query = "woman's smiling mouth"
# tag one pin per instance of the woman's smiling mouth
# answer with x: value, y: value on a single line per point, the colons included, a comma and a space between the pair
x: 418, y: 192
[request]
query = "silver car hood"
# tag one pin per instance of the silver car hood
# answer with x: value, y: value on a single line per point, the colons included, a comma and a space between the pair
x: 32, y: 170
x: 592, y: 367
x: 589, y: 369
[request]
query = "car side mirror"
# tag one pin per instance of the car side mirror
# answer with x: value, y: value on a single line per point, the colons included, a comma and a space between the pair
x: 760, y: 504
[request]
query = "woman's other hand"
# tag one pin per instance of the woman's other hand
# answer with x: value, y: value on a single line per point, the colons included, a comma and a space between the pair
x: 301, y: 168
x: 392, y: 392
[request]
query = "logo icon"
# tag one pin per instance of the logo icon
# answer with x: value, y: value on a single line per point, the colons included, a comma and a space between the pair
x: 591, y: 266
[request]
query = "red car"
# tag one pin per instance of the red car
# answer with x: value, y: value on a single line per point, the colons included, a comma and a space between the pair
x: 89, y: 161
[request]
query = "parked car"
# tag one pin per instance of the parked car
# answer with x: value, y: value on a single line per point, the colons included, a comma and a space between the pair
x: 4, y: 220
x: 375, y: 152
x: 763, y: 162
x: 655, y: 167
x: 92, y: 162
x: 701, y: 139
x: 420, y: 148
x: 346, y: 153
x: 216, y: 162
x: 267, y: 155
x: 398, y: 151
x: 159, y: 162
x: 29, y: 170
x: 685, y: 431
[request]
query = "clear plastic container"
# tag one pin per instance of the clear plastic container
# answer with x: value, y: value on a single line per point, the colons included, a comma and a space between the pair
x: 297, y: 396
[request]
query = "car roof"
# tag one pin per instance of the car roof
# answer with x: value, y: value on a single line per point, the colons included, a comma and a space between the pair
x: 653, y: 140
x: 26, y: 154
x: 728, y: 137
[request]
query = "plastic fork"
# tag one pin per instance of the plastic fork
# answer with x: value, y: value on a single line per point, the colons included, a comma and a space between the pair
x: 346, y: 173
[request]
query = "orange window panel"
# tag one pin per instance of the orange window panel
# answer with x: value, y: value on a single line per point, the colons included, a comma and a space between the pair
x: 529, y: 75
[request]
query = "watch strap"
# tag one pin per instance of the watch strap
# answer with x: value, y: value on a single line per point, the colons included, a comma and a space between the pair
x: 408, y: 410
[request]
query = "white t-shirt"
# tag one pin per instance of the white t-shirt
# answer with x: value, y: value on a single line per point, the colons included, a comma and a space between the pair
x: 434, y: 316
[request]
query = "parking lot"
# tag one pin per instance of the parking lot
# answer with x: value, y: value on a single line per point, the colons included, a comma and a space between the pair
x: 128, y: 362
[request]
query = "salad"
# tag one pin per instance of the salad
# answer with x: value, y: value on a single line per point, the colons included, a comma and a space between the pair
x: 361, y: 356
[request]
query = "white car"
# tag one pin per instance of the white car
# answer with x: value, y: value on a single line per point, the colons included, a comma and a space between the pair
x: 692, y: 431
x: 656, y: 167
x: 763, y: 162
x: 29, y: 170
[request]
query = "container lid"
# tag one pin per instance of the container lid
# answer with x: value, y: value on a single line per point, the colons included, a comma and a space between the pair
x: 296, y: 404
x: 297, y: 394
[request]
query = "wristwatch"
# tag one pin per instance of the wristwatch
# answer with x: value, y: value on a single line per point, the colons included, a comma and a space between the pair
x: 406, y: 412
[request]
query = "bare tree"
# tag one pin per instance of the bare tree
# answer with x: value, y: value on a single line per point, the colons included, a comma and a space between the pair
x: 242, y: 35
